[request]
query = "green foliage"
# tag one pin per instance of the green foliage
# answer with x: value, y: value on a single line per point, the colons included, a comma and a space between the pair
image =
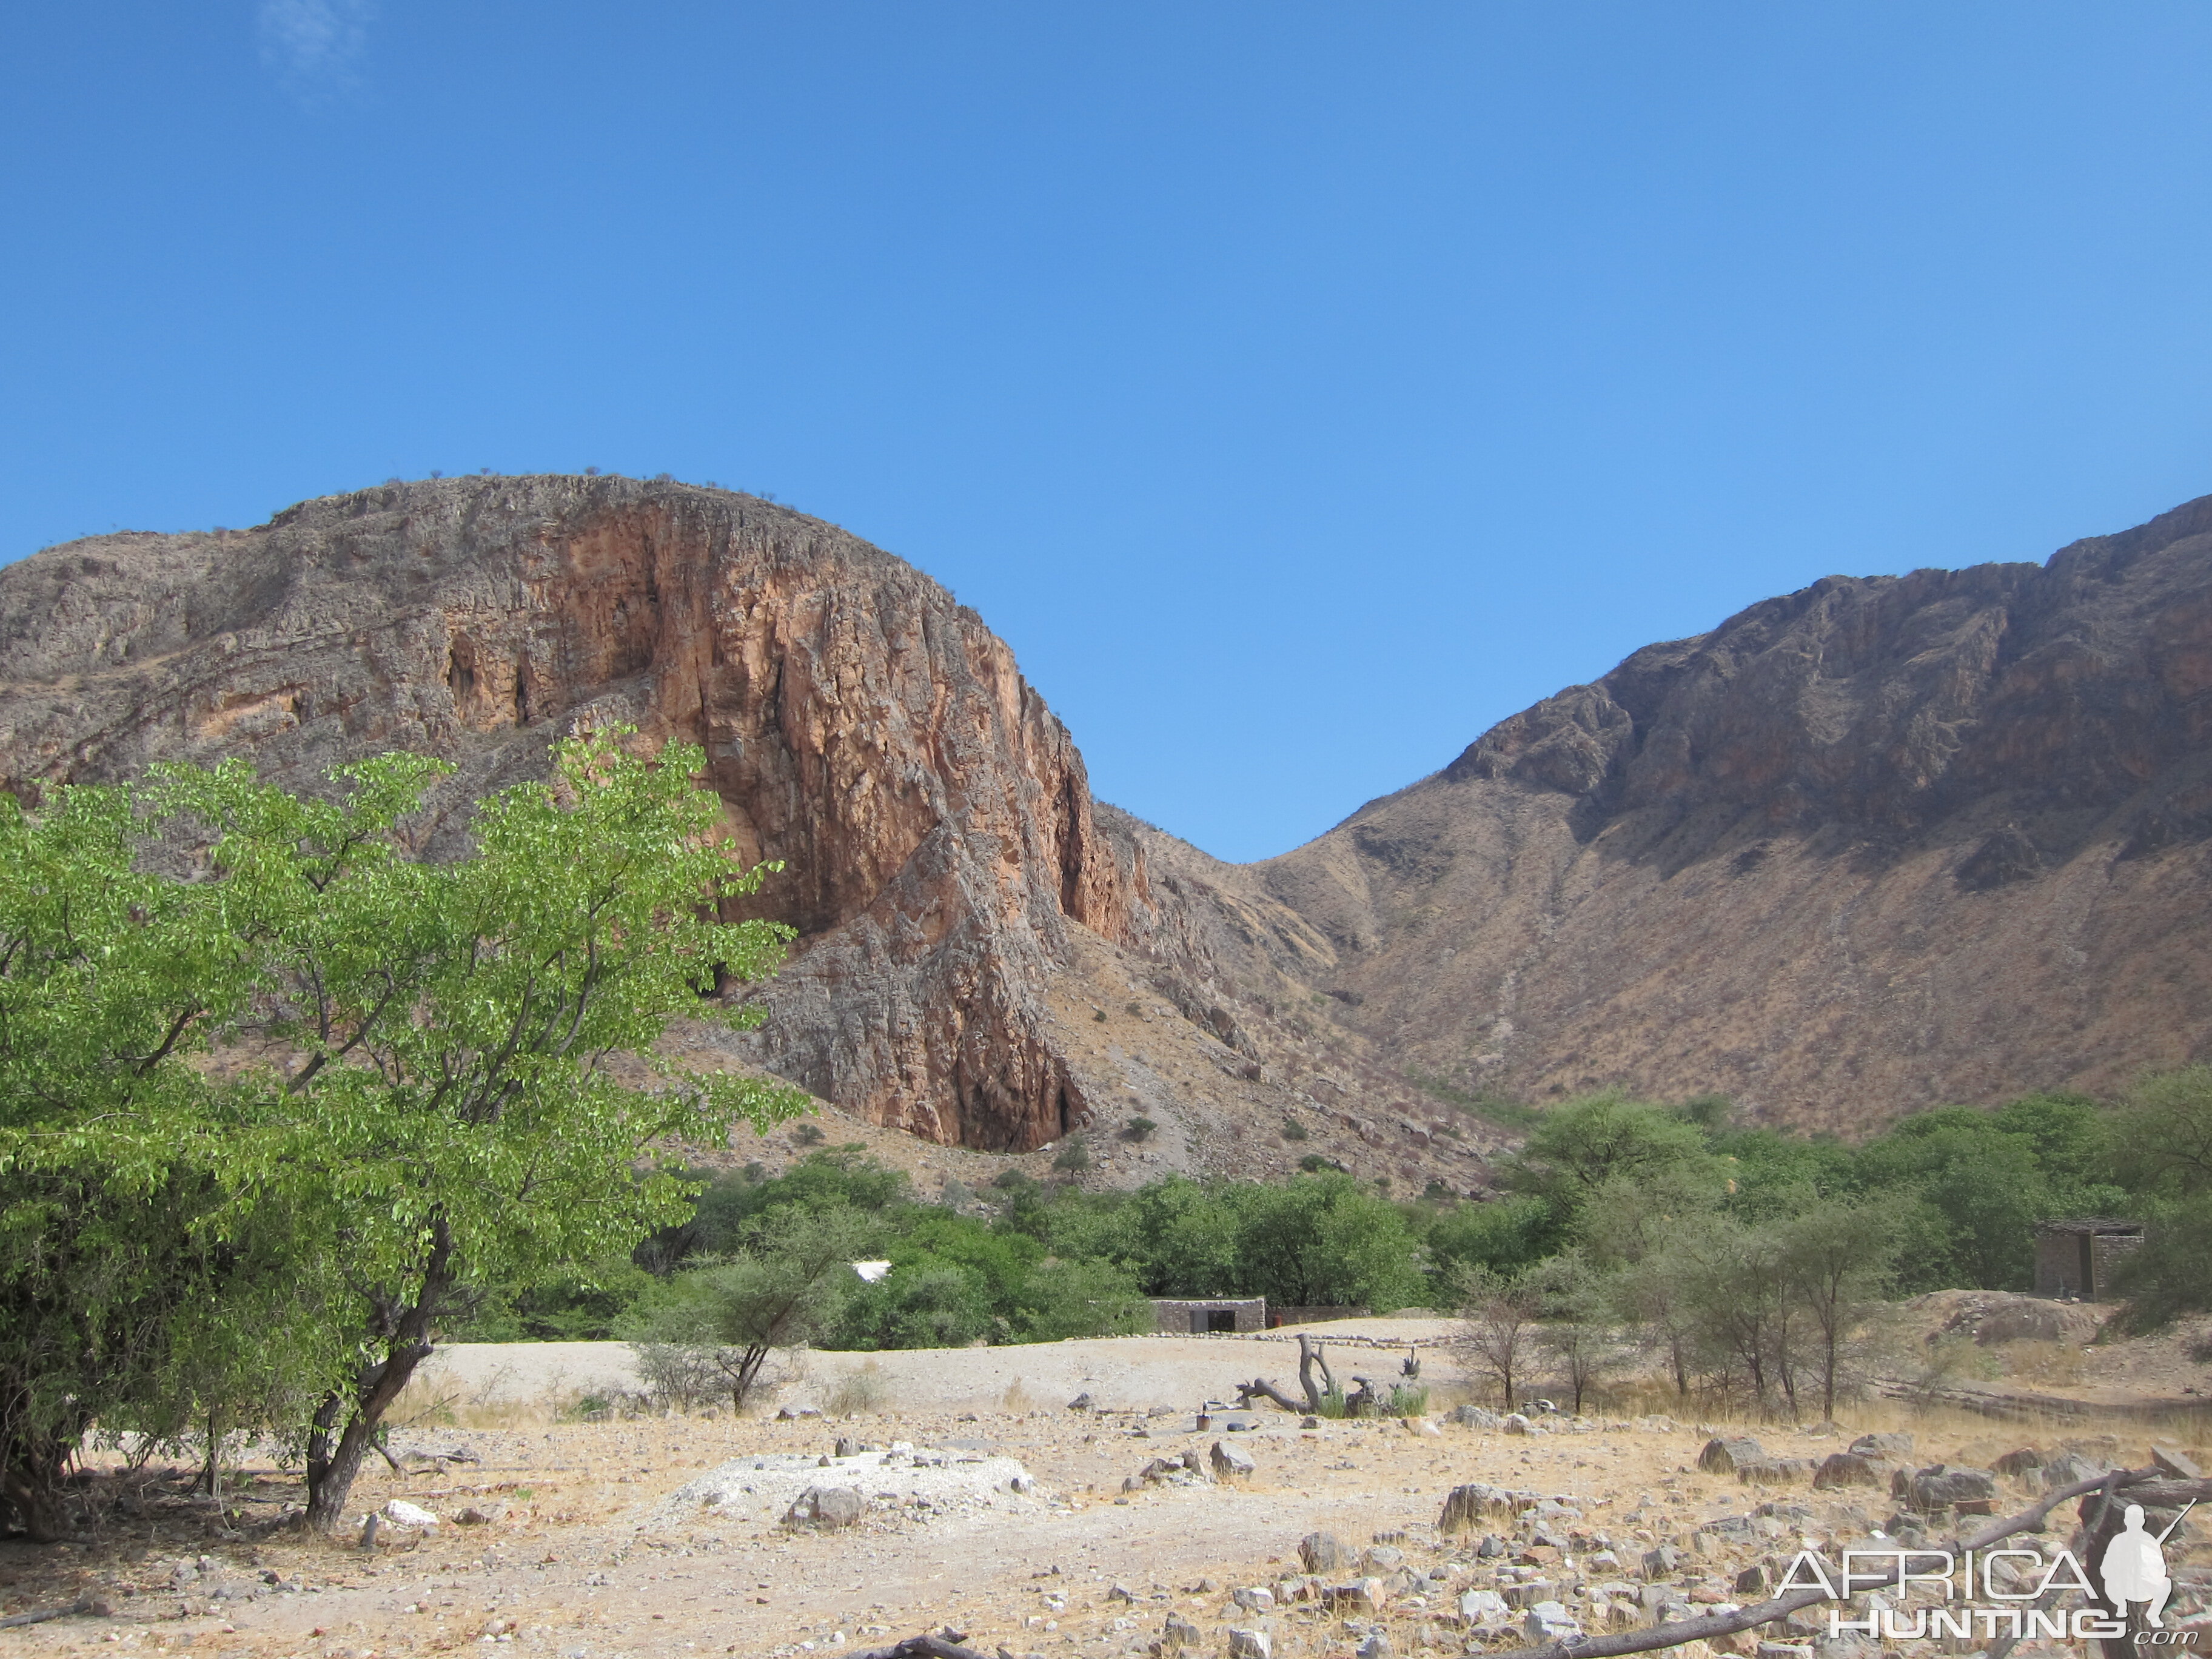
x: 1293, y: 1129
x: 1504, y: 1235
x: 2171, y: 1274
x: 1407, y: 1399
x: 1073, y: 1156
x: 424, y: 1107
x: 2161, y: 1135
x: 785, y: 1287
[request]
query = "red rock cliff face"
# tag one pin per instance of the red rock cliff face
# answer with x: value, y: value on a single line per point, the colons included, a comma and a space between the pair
x: 932, y: 815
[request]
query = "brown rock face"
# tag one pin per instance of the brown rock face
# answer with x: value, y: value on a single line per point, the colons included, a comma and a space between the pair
x: 1881, y: 843
x: 933, y: 816
x: 1878, y: 844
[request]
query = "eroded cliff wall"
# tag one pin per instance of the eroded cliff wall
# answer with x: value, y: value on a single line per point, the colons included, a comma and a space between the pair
x: 933, y: 816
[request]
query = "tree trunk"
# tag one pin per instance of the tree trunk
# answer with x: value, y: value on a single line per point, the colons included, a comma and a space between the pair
x: 405, y: 1329
x: 1310, y: 1358
x: 1259, y: 1389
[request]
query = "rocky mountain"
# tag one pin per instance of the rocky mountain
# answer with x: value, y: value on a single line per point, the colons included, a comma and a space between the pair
x: 1882, y: 842
x: 983, y: 959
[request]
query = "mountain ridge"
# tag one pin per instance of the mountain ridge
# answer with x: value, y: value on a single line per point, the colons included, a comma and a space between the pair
x: 1831, y: 856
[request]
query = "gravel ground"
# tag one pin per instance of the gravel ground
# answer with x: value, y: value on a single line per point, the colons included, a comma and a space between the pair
x: 1119, y: 1373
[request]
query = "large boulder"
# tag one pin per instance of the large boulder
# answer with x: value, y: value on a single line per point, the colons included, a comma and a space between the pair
x: 825, y: 1506
x: 1471, y: 1504
x: 1321, y: 1551
x: 1850, y: 1468
x: 1942, y: 1487
x: 1729, y: 1453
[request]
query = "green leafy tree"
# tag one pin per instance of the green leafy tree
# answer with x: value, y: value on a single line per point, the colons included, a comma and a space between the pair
x: 150, y: 1235
x: 1320, y: 1240
x: 2162, y: 1137
x: 784, y: 1289
x: 448, y: 1028
x: 1579, y: 1148
x: 1576, y: 1302
x: 1062, y: 1299
x: 1841, y: 1259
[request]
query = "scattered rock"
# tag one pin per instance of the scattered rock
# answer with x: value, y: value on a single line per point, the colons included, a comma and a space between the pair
x: 824, y: 1506
x: 2025, y: 1461
x: 481, y: 1515
x: 1885, y: 1448
x: 1476, y: 1417
x: 2175, y: 1463
x: 1230, y: 1463
x: 1850, y: 1468
x: 1376, y: 1645
x: 1321, y: 1551
x: 1482, y: 1607
x: 1254, y: 1598
x: 1082, y: 1402
x: 1476, y: 1502
x: 1360, y: 1595
x: 1515, y: 1424
x: 1664, y: 1562
x: 1381, y: 1559
x: 2069, y: 1468
x: 792, y: 1413
x: 1941, y: 1487
x: 1550, y: 1621
x: 401, y: 1513
x: 1181, y: 1636
x: 1728, y: 1454
x: 1249, y: 1644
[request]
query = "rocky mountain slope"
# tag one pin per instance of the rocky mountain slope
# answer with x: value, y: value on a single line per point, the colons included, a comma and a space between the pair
x: 1882, y: 842
x: 984, y: 961
x: 1878, y: 844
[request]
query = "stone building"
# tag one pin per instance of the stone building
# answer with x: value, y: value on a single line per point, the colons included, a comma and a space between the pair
x: 2074, y: 1260
x: 1227, y: 1313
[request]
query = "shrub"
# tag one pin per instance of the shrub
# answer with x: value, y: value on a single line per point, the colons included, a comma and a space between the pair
x: 863, y: 1390
x: 678, y: 1376
x: 1073, y: 1156
x: 1139, y: 1128
x: 1407, y: 1399
x: 1293, y: 1130
x: 807, y: 1134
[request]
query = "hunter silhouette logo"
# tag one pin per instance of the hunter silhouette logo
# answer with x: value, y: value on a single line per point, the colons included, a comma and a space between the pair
x: 2134, y: 1567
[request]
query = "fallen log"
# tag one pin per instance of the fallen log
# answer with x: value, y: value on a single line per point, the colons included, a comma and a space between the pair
x: 1259, y: 1389
x: 40, y: 1617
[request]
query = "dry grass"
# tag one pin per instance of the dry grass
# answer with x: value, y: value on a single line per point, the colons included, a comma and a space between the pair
x: 2053, y: 1364
x: 867, y: 1389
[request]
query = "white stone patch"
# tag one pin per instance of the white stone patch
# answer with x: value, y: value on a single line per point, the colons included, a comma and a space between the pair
x: 761, y: 1487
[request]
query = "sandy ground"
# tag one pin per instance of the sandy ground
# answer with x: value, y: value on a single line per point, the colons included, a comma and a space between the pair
x: 596, y: 1550
x: 1135, y: 1373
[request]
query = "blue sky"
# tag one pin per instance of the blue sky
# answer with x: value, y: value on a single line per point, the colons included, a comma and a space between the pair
x: 1299, y: 389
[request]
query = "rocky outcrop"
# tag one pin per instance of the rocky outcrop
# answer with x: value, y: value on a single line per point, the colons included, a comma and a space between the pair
x: 933, y: 816
x: 1881, y: 843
